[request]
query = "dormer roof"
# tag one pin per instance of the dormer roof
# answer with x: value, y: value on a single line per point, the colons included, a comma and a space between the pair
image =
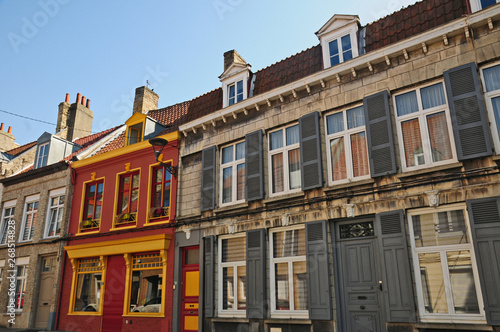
x: 337, y: 22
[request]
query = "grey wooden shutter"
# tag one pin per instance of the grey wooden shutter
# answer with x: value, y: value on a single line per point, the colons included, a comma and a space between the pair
x: 254, y: 166
x: 208, y: 179
x: 470, y: 126
x: 396, y: 277
x: 485, y: 224
x: 379, y: 134
x: 208, y: 272
x: 256, y: 274
x: 310, y: 151
x: 318, y: 272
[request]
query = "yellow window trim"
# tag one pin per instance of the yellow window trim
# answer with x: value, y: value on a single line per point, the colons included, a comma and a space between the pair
x: 117, y: 190
x: 82, y: 205
x: 74, y: 264
x: 150, y: 221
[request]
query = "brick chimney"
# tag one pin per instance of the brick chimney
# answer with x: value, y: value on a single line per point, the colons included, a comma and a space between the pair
x: 231, y: 57
x: 145, y: 100
x: 74, y: 120
x: 6, y: 139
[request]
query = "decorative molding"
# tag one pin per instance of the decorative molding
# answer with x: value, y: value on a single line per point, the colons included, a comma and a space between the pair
x: 424, y: 47
x: 187, y: 232
x: 230, y: 229
x: 405, y: 53
x: 127, y: 167
x: 92, y: 176
x: 433, y: 197
x: 285, y: 219
x: 387, y: 60
x: 349, y: 210
x: 445, y: 40
x: 370, y: 68
x: 353, y: 71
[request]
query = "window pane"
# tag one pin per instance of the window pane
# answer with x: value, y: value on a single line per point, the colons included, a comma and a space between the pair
x: 233, y: 249
x: 240, y: 150
x: 276, y: 139
x: 239, y: 88
x: 231, y: 91
x: 228, y: 288
x: 227, y: 154
x: 346, y: 48
x: 432, y: 283
x: 145, y: 293
x: 334, y: 53
x: 360, y: 165
x: 412, y: 142
x: 277, y: 172
x: 300, y: 285
x: 134, y: 200
x: 355, y: 117
x: 347, y: 55
x: 289, y: 243
x: 492, y: 77
x: 487, y: 3
x: 407, y: 103
x: 337, y: 152
x: 292, y: 135
x: 443, y: 228
x: 438, y: 134
x: 496, y: 110
x: 227, y: 175
x: 462, y: 282
x: 281, y: 287
x: 432, y: 96
x: 240, y: 182
x: 88, y: 290
x: 294, y: 168
x: 335, y: 123
x: 242, y: 283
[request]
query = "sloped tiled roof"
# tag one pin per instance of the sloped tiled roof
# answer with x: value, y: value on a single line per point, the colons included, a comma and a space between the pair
x: 204, y: 104
x: 20, y: 149
x: 412, y: 20
x: 87, y: 141
x: 289, y: 70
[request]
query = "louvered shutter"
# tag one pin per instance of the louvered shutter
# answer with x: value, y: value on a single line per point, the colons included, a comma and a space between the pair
x: 208, y: 272
x: 256, y: 274
x: 470, y: 126
x: 379, y: 134
x: 254, y: 166
x: 485, y: 224
x: 396, y: 277
x: 208, y: 179
x: 310, y: 151
x: 318, y: 273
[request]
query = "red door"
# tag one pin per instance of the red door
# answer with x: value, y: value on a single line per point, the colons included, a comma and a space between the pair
x: 190, y: 288
x: 114, y: 290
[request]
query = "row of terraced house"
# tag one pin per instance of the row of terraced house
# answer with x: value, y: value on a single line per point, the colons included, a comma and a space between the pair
x: 354, y: 186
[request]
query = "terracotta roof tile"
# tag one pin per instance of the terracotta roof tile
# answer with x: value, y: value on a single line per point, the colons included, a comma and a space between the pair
x: 204, y: 104
x: 87, y: 141
x: 117, y: 143
x: 20, y: 149
x: 412, y: 20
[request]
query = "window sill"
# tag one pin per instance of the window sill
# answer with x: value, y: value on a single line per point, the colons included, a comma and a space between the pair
x: 496, y: 157
x: 226, y: 208
x: 276, y: 199
x: 119, y: 228
x: 456, y: 325
x: 429, y: 170
x: 230, y: 319
x: 87, y: 232
x: 85, y: 313
x: 305, y: 321
x: 154, y: 222
x: 144, y: 314
x: 347, y: 185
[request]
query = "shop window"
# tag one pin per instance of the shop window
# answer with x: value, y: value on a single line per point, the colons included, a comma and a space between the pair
x: 288, y: 273
x: 232, y: 275
x: 161, y: 187
x: 92, y: 205
x: 128, y: 197
x: 89, y: 285
x: 233, y: 174
x: 146, y: 284
x: 445, y: 267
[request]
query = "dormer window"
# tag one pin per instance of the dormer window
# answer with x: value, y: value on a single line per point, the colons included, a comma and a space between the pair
x: 134, y: 134
x: 338, y: 38
x: 43, y: 153
x: 482, y: 4
x: 235, y: 92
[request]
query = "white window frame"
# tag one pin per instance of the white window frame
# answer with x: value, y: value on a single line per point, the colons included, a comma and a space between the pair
x: 60, y: 211
x: 424, y: 133
x: 4, y: 226
x: 2, y: 265
x: 42, y: 155
x: 234, y: 185
x: 286, y: 172
x: 476, y: 5
x: 229, y: 312
x: 30, y: 199
x: 350, y: 30
x: 489, y: 108
x: 442, y: 249
x: 243, y: 76
x: 346, y: 133
x: 21, y: 262
x: 301, y: 314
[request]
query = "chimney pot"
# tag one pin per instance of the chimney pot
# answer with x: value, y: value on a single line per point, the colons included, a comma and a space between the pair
x: 10, y: 130
x: 83, y: 100
x: 67, y: 98
x: 1, y: 127
x: 78, y: 97
x: 88, y: 103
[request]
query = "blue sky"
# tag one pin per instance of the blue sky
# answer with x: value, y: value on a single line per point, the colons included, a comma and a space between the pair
x: 106, y: 49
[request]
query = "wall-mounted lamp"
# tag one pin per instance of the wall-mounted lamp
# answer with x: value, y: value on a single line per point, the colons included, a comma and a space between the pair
x: 158, y: 145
